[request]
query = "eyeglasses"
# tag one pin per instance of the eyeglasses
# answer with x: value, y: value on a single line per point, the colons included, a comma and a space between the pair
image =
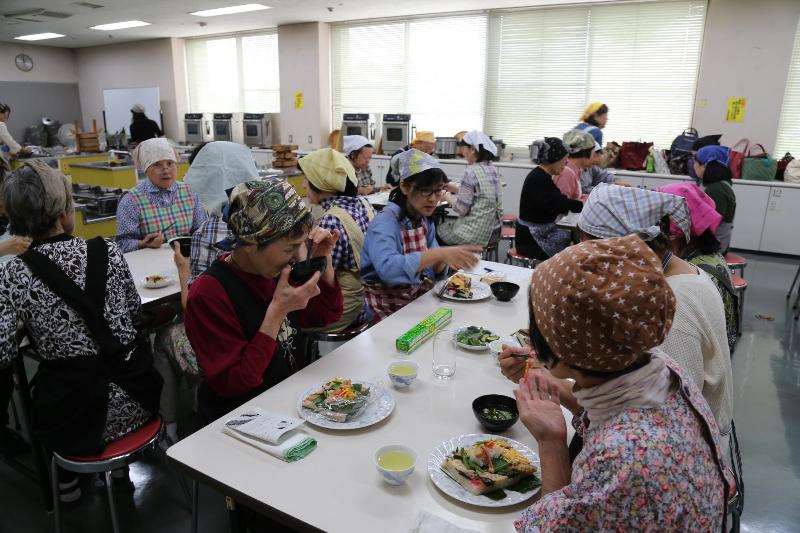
x: 427, y: 193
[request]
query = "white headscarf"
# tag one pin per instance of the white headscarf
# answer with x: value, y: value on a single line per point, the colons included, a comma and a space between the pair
x: 351, y: 143
x: 151, y: 151
x: 219, y: 166
x: 478, y: 138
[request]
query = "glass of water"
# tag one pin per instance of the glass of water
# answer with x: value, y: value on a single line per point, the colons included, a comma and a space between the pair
x: 444, y: 356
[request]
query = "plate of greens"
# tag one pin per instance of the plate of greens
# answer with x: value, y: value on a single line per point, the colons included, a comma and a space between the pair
x: 474, y: 338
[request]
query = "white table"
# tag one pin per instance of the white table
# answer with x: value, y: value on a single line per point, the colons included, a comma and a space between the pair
x: 337, y: 487
x: 149, y: 261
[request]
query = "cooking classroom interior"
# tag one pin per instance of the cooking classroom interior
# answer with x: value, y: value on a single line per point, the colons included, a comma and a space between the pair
x: 484, y: 95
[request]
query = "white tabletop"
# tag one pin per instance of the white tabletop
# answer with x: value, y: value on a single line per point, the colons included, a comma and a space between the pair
x: 337, y: 487
x: 148, y: 261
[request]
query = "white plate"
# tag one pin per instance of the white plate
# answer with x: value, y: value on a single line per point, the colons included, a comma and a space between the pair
x: 165, y: 281
x: 450, y: 487
x: 380, y: 405
x: 480, y: 291
x: 469, y: 346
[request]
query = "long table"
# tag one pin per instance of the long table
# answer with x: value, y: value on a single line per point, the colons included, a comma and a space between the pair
x: 149, y: 261
x: 337, y: 487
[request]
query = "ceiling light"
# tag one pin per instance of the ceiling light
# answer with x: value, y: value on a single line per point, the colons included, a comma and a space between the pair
x: 39, y: 36
x: 244, y: 8
x: 120, y: 25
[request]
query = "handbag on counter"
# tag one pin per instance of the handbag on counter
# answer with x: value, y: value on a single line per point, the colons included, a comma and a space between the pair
x: 782, y: 164
x: 736, y: 157
x: 633, y: 155
x: 759, y: 167
x: 682, y: 144
x: 792, y: 172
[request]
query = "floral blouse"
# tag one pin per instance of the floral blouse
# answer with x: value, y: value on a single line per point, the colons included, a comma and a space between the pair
x: 642, y: 470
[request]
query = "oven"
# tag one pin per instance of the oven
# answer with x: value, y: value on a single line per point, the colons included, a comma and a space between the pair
x: 358, y: 124
x: 396, y: 132
x: 256, y: 130
x: 193, y: 126
x: 222, y: 123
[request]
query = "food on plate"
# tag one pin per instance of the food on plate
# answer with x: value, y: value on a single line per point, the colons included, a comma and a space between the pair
x: 489, y: 466
x: 475, y: 336
x: 460, y: 286
x: 155, y: 278
x: 497, y: 414
x: 338, y: 399
x: 493, y: 277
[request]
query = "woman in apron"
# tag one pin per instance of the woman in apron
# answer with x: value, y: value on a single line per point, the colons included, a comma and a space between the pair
x: 479, y: 202
x: 159, y: 207
x: 401, y: 258
x: 331, y: 183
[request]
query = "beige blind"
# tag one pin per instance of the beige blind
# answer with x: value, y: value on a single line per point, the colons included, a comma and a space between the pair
x: 433, y: 68
x: 546, y: 65
x: 789, y: 125
x: 234, y: 73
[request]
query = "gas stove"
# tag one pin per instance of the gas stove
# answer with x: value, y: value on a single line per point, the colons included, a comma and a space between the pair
x: 97, y: 201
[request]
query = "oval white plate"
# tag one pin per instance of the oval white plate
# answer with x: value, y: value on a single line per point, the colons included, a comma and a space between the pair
x: 480, y: 291
x: 166, y: 280
x: 381, y: 405
x: 469, y: 346
x: 450, y: 487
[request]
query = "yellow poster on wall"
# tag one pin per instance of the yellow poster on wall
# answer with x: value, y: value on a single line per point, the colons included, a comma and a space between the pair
x: 298, y: 100
x: 736, y: 108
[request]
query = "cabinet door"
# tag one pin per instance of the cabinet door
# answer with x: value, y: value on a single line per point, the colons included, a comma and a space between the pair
x: 780, y: 224
x: 748, y: 225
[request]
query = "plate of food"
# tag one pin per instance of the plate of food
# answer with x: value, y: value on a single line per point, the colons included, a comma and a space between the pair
x: 156, y: 281
x: 485, y: 470
x: 474, y: 337
x: 461, y: 287
x: 343, y: 403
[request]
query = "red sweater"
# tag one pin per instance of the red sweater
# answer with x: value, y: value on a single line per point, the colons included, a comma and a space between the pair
x: 232, y: 365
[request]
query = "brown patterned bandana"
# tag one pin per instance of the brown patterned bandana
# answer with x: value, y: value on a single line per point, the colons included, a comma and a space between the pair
x: 600, y: 303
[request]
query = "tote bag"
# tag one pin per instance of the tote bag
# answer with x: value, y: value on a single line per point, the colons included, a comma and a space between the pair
x: 737, y: 157
x: 633, y: 155
x: 759, y: 167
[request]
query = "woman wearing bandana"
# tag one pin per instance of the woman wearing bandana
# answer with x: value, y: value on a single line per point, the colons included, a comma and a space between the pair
x: 243, y: 314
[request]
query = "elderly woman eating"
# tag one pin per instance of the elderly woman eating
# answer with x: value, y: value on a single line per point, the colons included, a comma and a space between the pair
x: 159, y: 207
x: 79, y: 305
x: 652, y: 455
x: 243, y: 315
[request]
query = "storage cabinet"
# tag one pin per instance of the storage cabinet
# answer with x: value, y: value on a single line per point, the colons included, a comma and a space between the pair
x: 780, y: 233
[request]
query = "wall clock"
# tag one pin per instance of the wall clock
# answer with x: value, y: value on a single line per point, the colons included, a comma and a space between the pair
x: 24, y: 62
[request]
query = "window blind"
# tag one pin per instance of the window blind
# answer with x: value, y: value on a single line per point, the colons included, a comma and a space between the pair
x: 789, y: 125
x: 546, y: 65
x: 234, y: 73
x: 433, y: 68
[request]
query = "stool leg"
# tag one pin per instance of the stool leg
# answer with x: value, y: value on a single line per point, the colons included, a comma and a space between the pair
x: 794, y: 281
x: 195, y: 500
x: 56, y: 499
x: 112, y: 506
x: 741, y: 311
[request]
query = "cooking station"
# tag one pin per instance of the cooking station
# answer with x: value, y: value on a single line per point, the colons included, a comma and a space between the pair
x: 95, y: 210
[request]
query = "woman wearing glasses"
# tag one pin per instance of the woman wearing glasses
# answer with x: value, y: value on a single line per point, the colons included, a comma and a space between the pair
x: 401, y: 258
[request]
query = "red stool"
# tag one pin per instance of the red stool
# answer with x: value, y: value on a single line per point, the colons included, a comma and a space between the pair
x: 116, y: 455
x: 513, y: 257
x: 740, y: 286
x: 736, y: 262
x: 508, y: 234
x: 344, y: 336
x: 509, y: 220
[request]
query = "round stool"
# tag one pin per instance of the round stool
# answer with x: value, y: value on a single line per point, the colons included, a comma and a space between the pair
x: 736, y: 262
x: 513, y: 257
x: 509, y: 219
x: 508, y: 234
x: 740, y: 286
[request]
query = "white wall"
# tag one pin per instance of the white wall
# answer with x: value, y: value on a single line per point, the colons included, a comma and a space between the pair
x: 50, y: 64
x: 747, y: 48
x: 304, y: 56
x: 138, y: 64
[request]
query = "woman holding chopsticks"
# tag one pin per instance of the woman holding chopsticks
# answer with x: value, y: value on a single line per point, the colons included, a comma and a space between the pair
x: 159, y: 207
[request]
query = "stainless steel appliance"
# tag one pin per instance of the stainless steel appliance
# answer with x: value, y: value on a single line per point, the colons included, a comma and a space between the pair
x: 193, y: 125
x: 501, y: 147
x: 446, y: 147
x: 256, y: 130
x: 223, y: 126
x: 97, y: 201
x: 395, y: 132
x: 359, y: 124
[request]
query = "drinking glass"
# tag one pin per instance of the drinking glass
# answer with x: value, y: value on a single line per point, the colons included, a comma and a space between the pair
x: 444, y: 356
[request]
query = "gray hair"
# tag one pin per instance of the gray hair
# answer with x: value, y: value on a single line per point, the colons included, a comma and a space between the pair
x: 33, y: 207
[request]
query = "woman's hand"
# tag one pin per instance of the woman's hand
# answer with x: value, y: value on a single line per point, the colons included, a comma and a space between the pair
x: 152, y: 240
x: 15, y: 246
x: 322, y: 241
x: 512, y: 367
x: 287, y: 298
x: 540, y: 408
x: 460, y: 257
x: 452, y: 187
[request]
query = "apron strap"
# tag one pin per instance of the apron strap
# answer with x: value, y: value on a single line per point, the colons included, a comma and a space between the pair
x: 87, y: 303
x: 354, y: 232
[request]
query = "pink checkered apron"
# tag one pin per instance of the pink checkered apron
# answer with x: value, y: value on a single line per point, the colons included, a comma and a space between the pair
x: 385, y: 299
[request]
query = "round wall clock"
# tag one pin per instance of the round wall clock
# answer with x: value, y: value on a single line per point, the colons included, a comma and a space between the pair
x: 24, y: 62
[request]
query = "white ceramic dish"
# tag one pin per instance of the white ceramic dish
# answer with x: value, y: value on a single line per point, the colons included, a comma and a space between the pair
x: 469, y: 346
x: 480, y: 292
x: 379, y: 406
x: 395, y: 478
x: 161, y: 283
